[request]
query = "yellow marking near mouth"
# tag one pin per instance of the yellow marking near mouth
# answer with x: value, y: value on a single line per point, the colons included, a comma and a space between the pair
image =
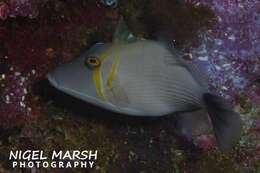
x: 112, y: 73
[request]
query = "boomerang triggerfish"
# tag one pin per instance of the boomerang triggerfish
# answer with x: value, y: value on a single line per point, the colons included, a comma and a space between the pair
x: 142, y: 77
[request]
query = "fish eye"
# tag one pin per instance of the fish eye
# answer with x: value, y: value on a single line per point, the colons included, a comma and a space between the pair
x: 92, y: 62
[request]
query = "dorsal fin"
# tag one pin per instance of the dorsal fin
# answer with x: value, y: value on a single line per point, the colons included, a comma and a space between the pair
x: 122, y: 33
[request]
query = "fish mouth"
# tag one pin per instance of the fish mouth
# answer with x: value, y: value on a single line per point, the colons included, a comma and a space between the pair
x: 91, y: 96
x: 88, y: 97
x: 75, y: 79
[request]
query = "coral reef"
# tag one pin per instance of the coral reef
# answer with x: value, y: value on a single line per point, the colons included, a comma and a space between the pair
x: 229, y: 52
x: 25, y: 8
x: 29, y: 48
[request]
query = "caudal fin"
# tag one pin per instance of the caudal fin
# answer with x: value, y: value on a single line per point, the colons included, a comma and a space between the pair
x: 226, y: 123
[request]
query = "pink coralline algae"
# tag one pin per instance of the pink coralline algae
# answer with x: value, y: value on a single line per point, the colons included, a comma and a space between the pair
x: 229, y: 53
x: 205, y: 142
x: 24, y: 8
x: 14, y: 91
x: 4, y: 11
x: 30, y: 48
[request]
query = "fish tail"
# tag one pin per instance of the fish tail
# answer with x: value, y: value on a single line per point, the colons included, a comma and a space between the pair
x: 226, y: 123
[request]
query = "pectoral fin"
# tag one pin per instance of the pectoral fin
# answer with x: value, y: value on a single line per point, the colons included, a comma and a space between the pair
x: 117, y: 94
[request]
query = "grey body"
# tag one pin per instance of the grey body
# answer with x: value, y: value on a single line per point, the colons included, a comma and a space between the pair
x: 153, y: 82
x: 150, y: 80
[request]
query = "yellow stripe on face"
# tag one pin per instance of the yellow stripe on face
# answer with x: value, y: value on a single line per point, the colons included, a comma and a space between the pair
x: 112, y: 73
x: 97, y: 76
x: 98, y: 82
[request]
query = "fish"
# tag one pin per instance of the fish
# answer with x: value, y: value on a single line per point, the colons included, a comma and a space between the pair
x: 140, y: 77
x: 109, y: 3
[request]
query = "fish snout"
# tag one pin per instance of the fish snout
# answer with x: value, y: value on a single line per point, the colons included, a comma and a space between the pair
x: 73, y: 78
x: 51, y: 78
